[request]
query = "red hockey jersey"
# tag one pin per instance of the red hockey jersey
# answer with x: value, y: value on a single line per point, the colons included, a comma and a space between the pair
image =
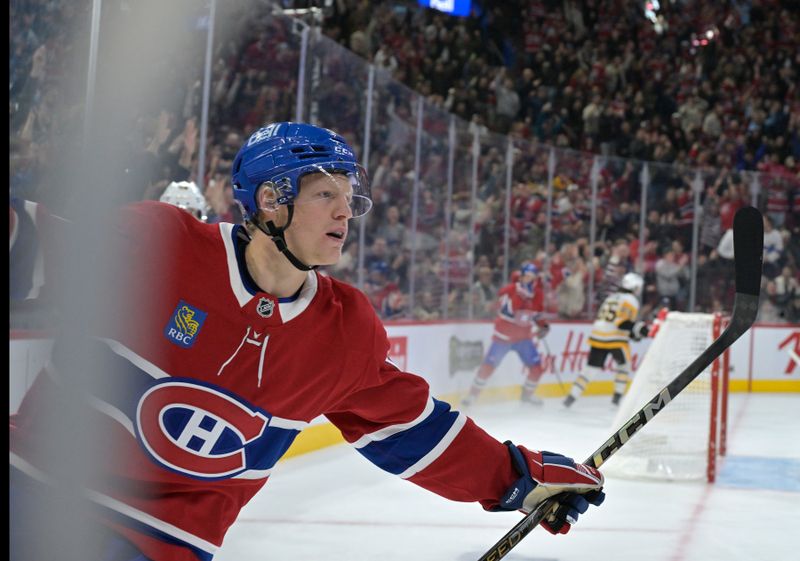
x: 218, y: 378
x: 519, y: 308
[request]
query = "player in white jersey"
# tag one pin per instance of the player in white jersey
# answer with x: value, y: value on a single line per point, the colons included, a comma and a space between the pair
x: 612, y: 330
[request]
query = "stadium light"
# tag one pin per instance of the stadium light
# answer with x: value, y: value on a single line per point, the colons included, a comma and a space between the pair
x: 461, y: 8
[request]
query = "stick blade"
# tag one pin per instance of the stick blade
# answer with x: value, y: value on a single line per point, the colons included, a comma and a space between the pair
x: 748, y: 247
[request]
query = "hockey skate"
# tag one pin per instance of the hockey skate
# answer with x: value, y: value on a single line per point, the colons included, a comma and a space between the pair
x: 531, y: 399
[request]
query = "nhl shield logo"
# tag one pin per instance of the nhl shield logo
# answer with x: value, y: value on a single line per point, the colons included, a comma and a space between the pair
x: 265, y: 307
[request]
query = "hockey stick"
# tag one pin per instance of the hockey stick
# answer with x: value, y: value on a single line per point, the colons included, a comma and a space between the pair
x: 560, y: 382
x: 748, y: 243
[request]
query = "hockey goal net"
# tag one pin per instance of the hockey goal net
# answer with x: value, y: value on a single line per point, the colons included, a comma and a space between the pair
x: 683, y: 441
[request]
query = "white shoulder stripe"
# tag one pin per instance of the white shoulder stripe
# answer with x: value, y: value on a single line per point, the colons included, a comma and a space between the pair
x: 438, y: 450
x: 138, y: 361
x: 391, y: 430
x: 120, y: 507
x: 234, y: 276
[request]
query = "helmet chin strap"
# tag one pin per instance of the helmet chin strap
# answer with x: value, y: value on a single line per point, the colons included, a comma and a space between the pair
x: 277, y: 236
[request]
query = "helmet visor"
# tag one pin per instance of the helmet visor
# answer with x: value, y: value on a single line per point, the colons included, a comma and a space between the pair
x: 355, y: 191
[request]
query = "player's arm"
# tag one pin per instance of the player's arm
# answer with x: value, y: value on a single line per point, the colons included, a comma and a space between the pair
x: 542, y: 327
x: 637, y: 330
x: 35, y: 248
x: 398, y: 426
x: 40, y: 242
x: 505, y: 306
x: 626, y: 321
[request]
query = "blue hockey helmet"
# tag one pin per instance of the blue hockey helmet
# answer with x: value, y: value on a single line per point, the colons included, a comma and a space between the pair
x: 525, y: 287
x: 280, y: 154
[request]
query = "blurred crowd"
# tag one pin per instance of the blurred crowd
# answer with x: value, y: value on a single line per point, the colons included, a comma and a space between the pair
x: 716, y: 90
x: 717, y: 85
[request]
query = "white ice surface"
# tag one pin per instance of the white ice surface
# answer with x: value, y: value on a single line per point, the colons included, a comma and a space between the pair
x: 333, y: 505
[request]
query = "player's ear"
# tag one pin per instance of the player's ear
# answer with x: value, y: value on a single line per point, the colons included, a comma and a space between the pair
x: 269, y: 210
x: 267, y: 198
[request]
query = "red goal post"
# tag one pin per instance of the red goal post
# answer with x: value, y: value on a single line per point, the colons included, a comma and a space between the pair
x: 720, y: 384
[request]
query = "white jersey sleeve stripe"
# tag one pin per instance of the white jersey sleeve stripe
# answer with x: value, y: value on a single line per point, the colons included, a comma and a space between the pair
x: 254, y: 474
x: 438, y: 450
x: 290, y: 424
x: 386, y: 432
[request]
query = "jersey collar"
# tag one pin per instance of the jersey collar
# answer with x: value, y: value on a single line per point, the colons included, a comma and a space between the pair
x: 245, y: 289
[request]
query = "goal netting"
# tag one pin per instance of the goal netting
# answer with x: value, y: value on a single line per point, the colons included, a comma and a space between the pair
x: 681, y: 442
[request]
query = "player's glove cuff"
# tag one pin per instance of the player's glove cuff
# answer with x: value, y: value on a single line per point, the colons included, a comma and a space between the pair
x: 514, y: 497
x: 639, y: 331
x: 543, y: 328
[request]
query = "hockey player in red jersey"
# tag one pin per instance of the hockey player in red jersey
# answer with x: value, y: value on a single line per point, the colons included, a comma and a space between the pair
x: 239, y: 344
x: 520, y: 306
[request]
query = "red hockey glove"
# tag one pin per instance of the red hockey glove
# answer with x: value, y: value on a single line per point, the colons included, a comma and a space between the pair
x: 545, y: 474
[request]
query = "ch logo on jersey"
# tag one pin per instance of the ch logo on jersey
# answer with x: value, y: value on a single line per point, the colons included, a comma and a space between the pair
x: 265, y: 307
x: 197, y: 430
x: 184, y: 324
x: 506, y: 307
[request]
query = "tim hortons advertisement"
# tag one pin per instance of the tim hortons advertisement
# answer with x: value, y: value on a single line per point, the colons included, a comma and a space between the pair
x: 448, y: 356
x: 766, y: 358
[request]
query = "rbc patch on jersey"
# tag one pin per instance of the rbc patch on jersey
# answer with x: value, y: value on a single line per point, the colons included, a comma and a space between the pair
x: 184, y: 325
